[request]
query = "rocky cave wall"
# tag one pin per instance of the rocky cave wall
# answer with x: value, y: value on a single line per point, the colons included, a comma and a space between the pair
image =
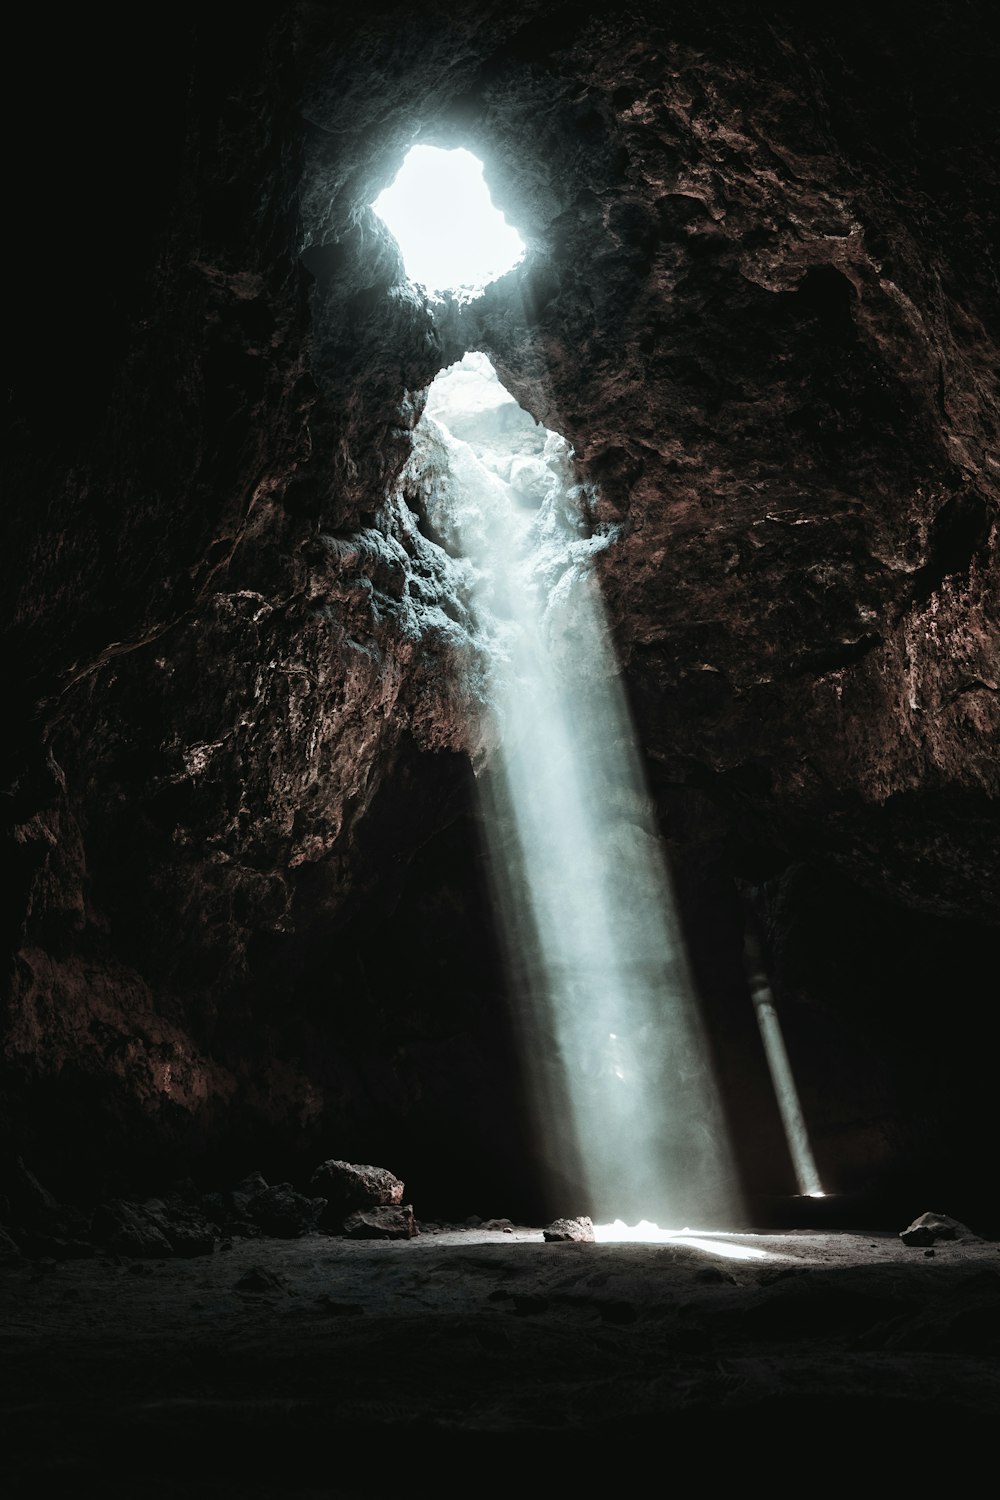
x: 249, y: 917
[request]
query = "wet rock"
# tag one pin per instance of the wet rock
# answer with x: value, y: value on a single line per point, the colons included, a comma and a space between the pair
x: 930, y: 1227
x: 128, y: 1229
x: 580, y: 1229
x: 386, y: 1222
x: 347, y: 1187
x: 283, y: 1212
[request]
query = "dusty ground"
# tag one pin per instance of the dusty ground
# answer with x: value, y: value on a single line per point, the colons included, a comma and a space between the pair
x: 350, y: 1359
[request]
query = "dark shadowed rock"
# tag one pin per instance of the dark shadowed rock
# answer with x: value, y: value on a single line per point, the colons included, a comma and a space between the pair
x: 581, y: 1229
x: 188, y: 1231
x: 30, y: 1202
x: 9, y: 1249
x: 241, y: 1195
x: 347, y: 1186
x: 127, y: 1229
x: 930, y: 1227
x: 281, y: 1211
x: 387, y: 1222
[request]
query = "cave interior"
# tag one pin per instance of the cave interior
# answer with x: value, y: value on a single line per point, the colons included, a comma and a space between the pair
x: 249, y: 902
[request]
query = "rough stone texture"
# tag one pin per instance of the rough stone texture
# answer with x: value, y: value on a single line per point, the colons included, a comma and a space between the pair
x: 127, y: 1229
x: 188, y: 1231
x: 759, y: 300
x: 580, y: 1229
x: 347, y: 1186
x: 281, y: 1211
x: 384, y: 1223
x: 930, y: 1227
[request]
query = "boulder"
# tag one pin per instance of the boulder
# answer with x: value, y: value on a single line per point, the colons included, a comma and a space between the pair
x: 188, y: 1231
x: 283, y: 1212
x: 931, y: 1226
x: 581, y: 1229
x: 128, y: 1229
x: 241, y: 1195
x: 348, y: 1187
x: 385, y: 1222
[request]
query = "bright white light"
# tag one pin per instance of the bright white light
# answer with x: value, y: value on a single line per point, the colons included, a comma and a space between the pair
x: 450, y: 235
x: 787, y: 1094
x: 645, y: 1233
x: 613, y: 1044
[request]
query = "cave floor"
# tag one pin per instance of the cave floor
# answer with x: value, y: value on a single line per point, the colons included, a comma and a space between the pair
x: 336, y: 1360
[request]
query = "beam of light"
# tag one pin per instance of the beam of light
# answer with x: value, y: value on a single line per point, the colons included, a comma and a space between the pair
x: 627, y: 1114
x: 451, y: 236
x: 792, y: 1118
x: 645, y: 1233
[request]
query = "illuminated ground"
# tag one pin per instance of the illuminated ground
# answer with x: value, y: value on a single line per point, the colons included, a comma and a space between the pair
x: 168, y: 1378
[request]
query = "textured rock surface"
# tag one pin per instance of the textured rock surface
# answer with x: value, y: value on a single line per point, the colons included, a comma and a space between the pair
x: 928, y: 1228
x: 128, y: 1229
x: 580, y: 1229
x: 346, y: 1186
x: 760, y: 302
x: 388, y: 1222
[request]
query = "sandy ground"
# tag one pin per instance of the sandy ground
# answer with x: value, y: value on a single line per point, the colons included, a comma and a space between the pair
x: 323, y: 1366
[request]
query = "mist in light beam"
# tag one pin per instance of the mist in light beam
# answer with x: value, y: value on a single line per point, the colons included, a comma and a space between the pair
x: 626, y: 1106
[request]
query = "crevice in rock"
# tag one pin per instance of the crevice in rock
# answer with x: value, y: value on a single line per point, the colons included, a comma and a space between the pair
x: 958, y: 533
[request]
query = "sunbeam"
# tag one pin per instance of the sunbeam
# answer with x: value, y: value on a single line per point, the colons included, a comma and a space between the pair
x: 626, y: 1103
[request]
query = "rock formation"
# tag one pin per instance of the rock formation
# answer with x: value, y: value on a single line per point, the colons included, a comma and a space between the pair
x: 247, y: 914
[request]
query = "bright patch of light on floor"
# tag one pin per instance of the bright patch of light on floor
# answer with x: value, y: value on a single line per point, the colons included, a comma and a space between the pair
x: 627, y: 1110
x: 645, y: 1233
x: 451, y: 236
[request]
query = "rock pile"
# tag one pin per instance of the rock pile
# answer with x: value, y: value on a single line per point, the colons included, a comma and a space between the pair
x: 363, y: 1202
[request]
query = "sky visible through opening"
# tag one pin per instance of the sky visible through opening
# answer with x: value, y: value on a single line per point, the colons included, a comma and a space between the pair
x: 451, y: 236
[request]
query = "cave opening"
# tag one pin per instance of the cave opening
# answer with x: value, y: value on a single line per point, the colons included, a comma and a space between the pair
x: 452, y: 237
